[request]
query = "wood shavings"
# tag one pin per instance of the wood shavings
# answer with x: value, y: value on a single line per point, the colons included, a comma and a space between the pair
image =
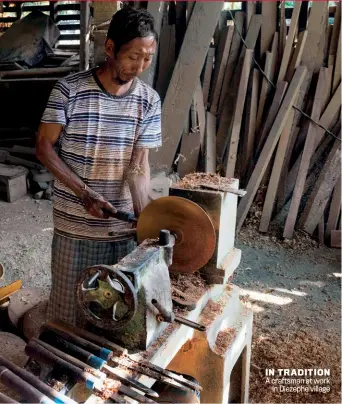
x: 108, y: 388
x: 192, y: 284
x: 224, y: 340
x: 194, y: 180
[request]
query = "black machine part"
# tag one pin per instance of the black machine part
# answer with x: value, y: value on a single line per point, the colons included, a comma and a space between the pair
x: 107, y: 297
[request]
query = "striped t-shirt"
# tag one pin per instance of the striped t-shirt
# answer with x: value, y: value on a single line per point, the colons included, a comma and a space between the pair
x: 99, y: 134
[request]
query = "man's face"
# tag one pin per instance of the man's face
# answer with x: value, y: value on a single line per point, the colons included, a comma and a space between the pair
x: 131, y: 60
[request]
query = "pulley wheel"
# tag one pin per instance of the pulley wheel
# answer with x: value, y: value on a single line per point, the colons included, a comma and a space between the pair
x: 188, y: 222
x: 106, y: 297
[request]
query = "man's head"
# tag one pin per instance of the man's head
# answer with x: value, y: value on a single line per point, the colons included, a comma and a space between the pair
x: 131, y: 43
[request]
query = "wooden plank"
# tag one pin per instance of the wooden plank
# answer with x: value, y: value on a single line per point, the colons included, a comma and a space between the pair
x: 289, y: 41
x: 229, y: 103
x: 306, y: 155
x: 238, y: 112
x: 323, y: 188
x: 336, y: 31
x: 337, y: 68
x: 251, y: 113
x: 156, y: 9
x: 275, y: 175
x: 282, y: 32
x: 297, y: 55
x: 250, y: 11
x: 335, y: 239
x: 335, y: 210
x: 210, y: 143
x: 220, y: 67
x: 269, y: 14
x: 233, y: 57
x: 84, y: 35
x: 199, y: 104
x: 320, y: 229
x: 265, y: 88
x: 184, y: 80
x: 208, y: 69
x: 272, y: 113
x: 270, y: 145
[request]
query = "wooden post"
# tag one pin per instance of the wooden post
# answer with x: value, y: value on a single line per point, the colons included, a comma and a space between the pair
x: 270, y: 145
x: 184, y: 80
x: 84, y: 35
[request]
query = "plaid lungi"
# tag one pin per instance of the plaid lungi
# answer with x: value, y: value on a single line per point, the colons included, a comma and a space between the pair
x: 69, y: 258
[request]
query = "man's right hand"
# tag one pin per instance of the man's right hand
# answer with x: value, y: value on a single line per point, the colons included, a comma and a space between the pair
x: 96, y: 205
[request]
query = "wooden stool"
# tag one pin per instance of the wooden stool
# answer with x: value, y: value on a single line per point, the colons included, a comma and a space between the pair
x: 13, y: 183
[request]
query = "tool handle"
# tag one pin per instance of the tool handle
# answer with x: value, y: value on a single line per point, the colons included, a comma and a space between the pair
x: 35, y: 382
x: 42, y: 355
x: 72, y: 349
x: 121, y: 215
x: 27, y: 392
x: 189, y: 323
x: 99, y: 341
x: 96, y: 350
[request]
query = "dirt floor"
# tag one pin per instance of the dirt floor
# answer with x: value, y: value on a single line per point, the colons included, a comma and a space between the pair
x: 293, y: 288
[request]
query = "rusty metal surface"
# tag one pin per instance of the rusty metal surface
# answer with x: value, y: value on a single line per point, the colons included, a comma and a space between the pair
x: 194, y: 231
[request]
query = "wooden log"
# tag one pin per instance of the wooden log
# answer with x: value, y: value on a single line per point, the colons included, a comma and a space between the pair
x: 208, y: 70
x: 272, y: 113
x: 156, y: 9
x: 306, y: 155
x: 265, y: 88
x: 269, y: 14
x: 184, y: 80
x: 323, y: 188
x: 229, y: 104
x: 233, y: 57
x: 220, y: 66
x: 297, y: 55
x: 289, y: 41
x: 270, y: 145
x: 238, y: 112
x: 334, y: 211
x: 210, y: 149
x: 247, y: 154
x: 335, y: 239
x: 275, y: 175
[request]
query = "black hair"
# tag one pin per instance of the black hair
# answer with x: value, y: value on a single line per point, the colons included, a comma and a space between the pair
x: 128, y: 24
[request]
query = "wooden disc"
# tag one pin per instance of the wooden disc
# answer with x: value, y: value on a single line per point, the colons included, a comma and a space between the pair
x: 24, y: 300
x: 34, y: 319
x: 188, y: 222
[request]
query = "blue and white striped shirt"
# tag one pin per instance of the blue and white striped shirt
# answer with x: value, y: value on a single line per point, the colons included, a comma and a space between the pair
x: 99, y: 134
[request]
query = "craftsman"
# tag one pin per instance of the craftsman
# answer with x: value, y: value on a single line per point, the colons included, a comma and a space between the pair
x: 104, y: 120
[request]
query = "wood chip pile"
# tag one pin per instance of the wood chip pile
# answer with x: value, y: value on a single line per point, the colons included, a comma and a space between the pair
x: 261, y: 80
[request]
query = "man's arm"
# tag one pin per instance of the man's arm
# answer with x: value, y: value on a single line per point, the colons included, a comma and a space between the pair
x: 48, y: 136
x: 138, y: 177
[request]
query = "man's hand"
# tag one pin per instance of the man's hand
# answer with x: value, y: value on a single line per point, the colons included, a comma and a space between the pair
x: 97, y: 206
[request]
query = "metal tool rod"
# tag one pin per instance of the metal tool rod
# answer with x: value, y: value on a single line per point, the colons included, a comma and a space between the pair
x: 42, y: 355
x: 5, y: 399
x: 86, y: 358
x: 26, y: 391
x: 189, y: 323
x: 103, y: 353
x: 35, y: 382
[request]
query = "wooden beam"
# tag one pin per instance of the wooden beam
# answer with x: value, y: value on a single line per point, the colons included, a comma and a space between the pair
x: 335, y: 239
x: 184, y: 80
x: 265, y: 88
x: 156, y: 9
x: 289, y: 41
x: 270, y: 145
x: 220, y: 66
x: 208, y: 69
x: 210, y: 143
x: 323, y: 188
x: 247, y: 154
x: 306, y: 155
x: 269, y: 14
x: 275, y: 175
x: 334, y: 211
x: 297, y: 55
x: 238, y: 112
x: 233, y: 57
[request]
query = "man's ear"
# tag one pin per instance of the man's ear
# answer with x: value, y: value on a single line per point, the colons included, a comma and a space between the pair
x: 109, y: 47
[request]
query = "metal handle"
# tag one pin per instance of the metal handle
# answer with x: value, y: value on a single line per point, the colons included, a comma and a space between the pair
x: 191, y: 324
x: 121, y: 215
